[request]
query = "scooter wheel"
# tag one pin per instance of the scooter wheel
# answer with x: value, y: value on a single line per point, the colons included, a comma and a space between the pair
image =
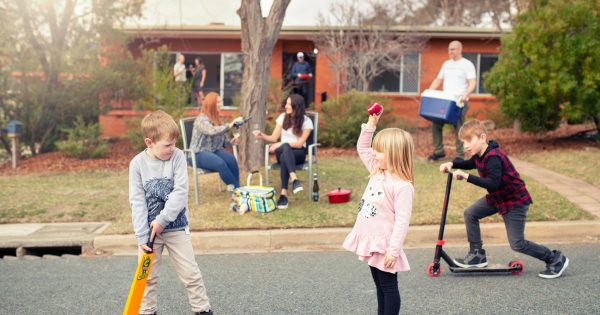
x: 434, y: 272
x: 518, y: 266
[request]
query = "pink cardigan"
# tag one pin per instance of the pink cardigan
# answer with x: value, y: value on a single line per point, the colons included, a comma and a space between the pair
x: 384, y: 213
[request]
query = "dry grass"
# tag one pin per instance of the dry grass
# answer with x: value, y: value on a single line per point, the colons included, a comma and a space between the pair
x: 102, y: 196
x: 581, y: 164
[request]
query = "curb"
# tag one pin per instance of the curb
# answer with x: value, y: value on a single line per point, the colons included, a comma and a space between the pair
x: 330, y: 239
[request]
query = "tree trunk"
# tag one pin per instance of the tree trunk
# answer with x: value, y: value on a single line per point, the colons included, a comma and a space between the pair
x: 259, y: 36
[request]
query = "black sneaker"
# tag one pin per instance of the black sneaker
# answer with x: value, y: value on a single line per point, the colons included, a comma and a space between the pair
x: 555, y: 268
x: 282, y: 202
x: 296, y: 186
x: 436, y: 156
x: 475, y: 258
x: 209, y: 312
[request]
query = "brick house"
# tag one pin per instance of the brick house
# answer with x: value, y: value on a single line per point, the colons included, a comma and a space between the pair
x: 219, y: 46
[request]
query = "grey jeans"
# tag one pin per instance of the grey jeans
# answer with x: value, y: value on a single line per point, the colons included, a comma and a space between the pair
x: 514, y: 221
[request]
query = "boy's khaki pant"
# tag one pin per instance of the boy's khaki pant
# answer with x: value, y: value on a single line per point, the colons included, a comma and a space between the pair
x: 179, y: 245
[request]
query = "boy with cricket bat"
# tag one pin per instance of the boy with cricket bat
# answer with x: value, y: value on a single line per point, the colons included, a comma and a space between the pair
x: 158, y: 193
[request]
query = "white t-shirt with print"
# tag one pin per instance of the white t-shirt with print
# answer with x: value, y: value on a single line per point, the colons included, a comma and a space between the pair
x: 287, y: 135
x: 456, y: 76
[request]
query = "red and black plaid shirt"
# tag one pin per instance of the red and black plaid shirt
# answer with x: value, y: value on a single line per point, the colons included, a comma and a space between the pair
x: 512, y: 191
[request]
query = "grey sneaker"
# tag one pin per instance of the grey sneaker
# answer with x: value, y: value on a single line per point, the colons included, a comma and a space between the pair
x: 555, y: 268
x: 475, y: 258
x: 296, y: 186
x: 282, y: 202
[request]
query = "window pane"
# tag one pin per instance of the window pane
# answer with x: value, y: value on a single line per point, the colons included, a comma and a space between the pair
x: 486, y: 64
x: 472, y: 57
x: 388, y: 81
x: 410, y: 73
x: 232, y: 72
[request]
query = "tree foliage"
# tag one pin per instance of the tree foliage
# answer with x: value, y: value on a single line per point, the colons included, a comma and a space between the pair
x: 548, y: 68
x: 52, y: 66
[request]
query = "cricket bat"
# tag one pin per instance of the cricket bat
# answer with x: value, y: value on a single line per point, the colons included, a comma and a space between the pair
x: 132, y: 306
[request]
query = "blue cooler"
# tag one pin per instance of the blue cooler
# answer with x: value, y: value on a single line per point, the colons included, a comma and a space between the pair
x: 439, y: 107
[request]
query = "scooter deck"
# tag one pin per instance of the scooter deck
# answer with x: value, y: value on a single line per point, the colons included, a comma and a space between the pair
x: 489, y: 269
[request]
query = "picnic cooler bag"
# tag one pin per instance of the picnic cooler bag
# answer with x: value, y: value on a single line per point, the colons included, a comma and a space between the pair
x: 440, y: 107
x: 258, y: 198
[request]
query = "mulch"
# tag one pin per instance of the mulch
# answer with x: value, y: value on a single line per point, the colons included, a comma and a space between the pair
x: 513, y: 143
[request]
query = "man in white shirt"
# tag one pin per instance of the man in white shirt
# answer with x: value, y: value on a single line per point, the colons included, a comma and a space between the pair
x: 459, y: 78
x: 180, y: 78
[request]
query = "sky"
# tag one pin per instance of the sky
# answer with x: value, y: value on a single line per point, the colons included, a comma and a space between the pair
x: 203, y: 12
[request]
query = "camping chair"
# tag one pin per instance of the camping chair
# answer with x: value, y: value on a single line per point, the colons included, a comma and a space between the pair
x: 312, y: 159
x: 187, y: 126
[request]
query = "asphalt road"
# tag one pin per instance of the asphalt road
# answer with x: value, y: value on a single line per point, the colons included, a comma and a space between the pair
x: 303, y: 283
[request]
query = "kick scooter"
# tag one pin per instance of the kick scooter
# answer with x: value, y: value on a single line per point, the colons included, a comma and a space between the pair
x: 435, y: 270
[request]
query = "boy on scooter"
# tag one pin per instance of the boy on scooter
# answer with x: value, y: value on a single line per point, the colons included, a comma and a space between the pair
x: 506, y: 196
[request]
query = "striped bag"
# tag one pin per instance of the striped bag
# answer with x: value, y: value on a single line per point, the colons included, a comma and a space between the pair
x: 256, y: 198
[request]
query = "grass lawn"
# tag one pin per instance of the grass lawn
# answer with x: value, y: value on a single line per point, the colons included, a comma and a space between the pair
x: 102, y: 196
x: 581, y: 164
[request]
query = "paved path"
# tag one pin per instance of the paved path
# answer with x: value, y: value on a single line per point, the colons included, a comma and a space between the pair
x: 576, y: 191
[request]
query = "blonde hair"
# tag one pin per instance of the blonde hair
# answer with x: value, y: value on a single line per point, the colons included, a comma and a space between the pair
x: 398, y: 150
x: 159, y: 125
x: 471, y: 128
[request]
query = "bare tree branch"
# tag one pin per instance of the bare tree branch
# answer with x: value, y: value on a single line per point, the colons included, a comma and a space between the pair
x: 361, y: 41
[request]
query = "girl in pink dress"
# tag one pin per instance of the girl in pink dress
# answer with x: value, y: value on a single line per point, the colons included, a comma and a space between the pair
x: 384, y: 210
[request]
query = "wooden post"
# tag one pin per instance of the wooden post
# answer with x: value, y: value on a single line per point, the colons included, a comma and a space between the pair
x: 14, y: 148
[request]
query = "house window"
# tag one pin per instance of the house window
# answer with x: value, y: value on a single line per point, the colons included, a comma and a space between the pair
x: 223, y: 73
x: 483, y: 63
x: 406, y: 80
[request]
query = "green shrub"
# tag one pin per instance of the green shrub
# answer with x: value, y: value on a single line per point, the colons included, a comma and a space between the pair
x: 83, y: 141
x: 341, y: 119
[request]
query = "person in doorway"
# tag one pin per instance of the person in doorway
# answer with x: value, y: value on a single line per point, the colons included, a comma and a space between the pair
x: 301, y: 74
x: 198, y: 82
x: 179, y: 74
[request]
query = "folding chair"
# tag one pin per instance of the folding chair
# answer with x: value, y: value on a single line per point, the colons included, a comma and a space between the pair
x: 312, y: 159
x: 187, y: 126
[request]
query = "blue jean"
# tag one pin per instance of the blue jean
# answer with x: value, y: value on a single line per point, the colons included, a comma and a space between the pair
x: 220, y: 161
x: 514, y: 222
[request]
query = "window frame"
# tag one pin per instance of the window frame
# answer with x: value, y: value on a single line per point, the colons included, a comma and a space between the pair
x: 401, y: 76
x: 478, y: 73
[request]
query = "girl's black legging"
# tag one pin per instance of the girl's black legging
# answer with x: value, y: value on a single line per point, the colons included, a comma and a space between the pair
x: 288, y: 157
x: 388, y: 295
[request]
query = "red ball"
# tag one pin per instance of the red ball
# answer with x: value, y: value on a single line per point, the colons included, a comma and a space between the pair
x: 374, y: 108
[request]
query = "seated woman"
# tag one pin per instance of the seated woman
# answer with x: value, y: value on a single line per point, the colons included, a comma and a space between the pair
x: 294, y: 128
x: 209, y: 139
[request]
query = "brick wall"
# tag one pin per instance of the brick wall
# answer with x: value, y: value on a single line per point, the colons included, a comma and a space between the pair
x: 114, y: 123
